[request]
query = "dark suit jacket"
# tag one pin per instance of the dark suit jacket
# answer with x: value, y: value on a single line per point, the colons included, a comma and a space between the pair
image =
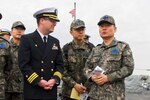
x: 38, y: 62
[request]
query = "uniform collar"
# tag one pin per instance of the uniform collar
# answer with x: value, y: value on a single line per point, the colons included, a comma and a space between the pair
x: 113, y: 43
x: 41, y: 34
x: 75, y: 46
x: 12, y: 42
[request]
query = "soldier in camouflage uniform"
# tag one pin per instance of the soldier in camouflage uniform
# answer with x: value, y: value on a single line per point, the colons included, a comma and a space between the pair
x: 115, y: 58
x: 4, y: 64
x: 15, y: 82
x: 75, y: 55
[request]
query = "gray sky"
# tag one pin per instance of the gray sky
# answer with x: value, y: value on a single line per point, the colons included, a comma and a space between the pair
x: 132, y: 20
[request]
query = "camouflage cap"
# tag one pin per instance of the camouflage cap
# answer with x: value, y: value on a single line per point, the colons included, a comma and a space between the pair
x: 77, y: 24
x: 18, y: 24
x: 47, y: 12
x: 106, y: 19
x: 0, y: 16
x: 4, y: 32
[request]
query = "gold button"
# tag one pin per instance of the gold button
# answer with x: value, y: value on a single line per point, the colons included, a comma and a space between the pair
x: 42, y: 61
x: 26, y: 76
x: 52, y: 69
x: 52, y: 61
x: 41, y: 78
x: 42, y: 70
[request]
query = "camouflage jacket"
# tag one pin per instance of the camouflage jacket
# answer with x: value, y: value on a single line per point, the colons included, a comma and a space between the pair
x: 5, y: 64
x: 15, y: 81
x: 117, y: 62
x: 74, y: 61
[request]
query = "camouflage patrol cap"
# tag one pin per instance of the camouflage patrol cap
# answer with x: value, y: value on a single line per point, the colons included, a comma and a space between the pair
x: 4, y: 32
x: 77, y: 24
x: 47, y: 12
x: 0, y: 16
x: 18, y: 24
x: 106, y: 19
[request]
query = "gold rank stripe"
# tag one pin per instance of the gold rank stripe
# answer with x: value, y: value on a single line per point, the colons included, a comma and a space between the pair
x: 58, y: 74
x: 4, y: 33
x: 48, y: 15
x: 32, y: 77
x: 55, y: 18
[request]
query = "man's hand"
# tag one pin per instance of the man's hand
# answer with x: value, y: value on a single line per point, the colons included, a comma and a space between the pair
x: 80, y: 88
x: 100, y: 79
x: 94, y: 78
x: 42, y: 83
x: 47, y: 84
x: 50, y: 84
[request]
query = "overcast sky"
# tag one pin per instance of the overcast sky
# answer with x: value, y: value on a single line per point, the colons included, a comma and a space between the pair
x: 132, y: 20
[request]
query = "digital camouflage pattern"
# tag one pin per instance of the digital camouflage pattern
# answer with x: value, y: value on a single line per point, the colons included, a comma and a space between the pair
x: 15, y: 81
x: 4, y: 65
x: 77, y: 24
x: 105, y: 19
x: 117, y: 62
x: 74, y: 62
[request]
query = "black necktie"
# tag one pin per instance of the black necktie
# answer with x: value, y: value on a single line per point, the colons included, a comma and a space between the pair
x: 44, y: 38
x: 44, y: 43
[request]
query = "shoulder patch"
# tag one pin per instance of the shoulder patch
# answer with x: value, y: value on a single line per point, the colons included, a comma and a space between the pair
x: 115, y: 51
x: 3, y: 46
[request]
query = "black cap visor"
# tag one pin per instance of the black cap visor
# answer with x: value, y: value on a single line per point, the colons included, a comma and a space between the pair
x: 104, y: 22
